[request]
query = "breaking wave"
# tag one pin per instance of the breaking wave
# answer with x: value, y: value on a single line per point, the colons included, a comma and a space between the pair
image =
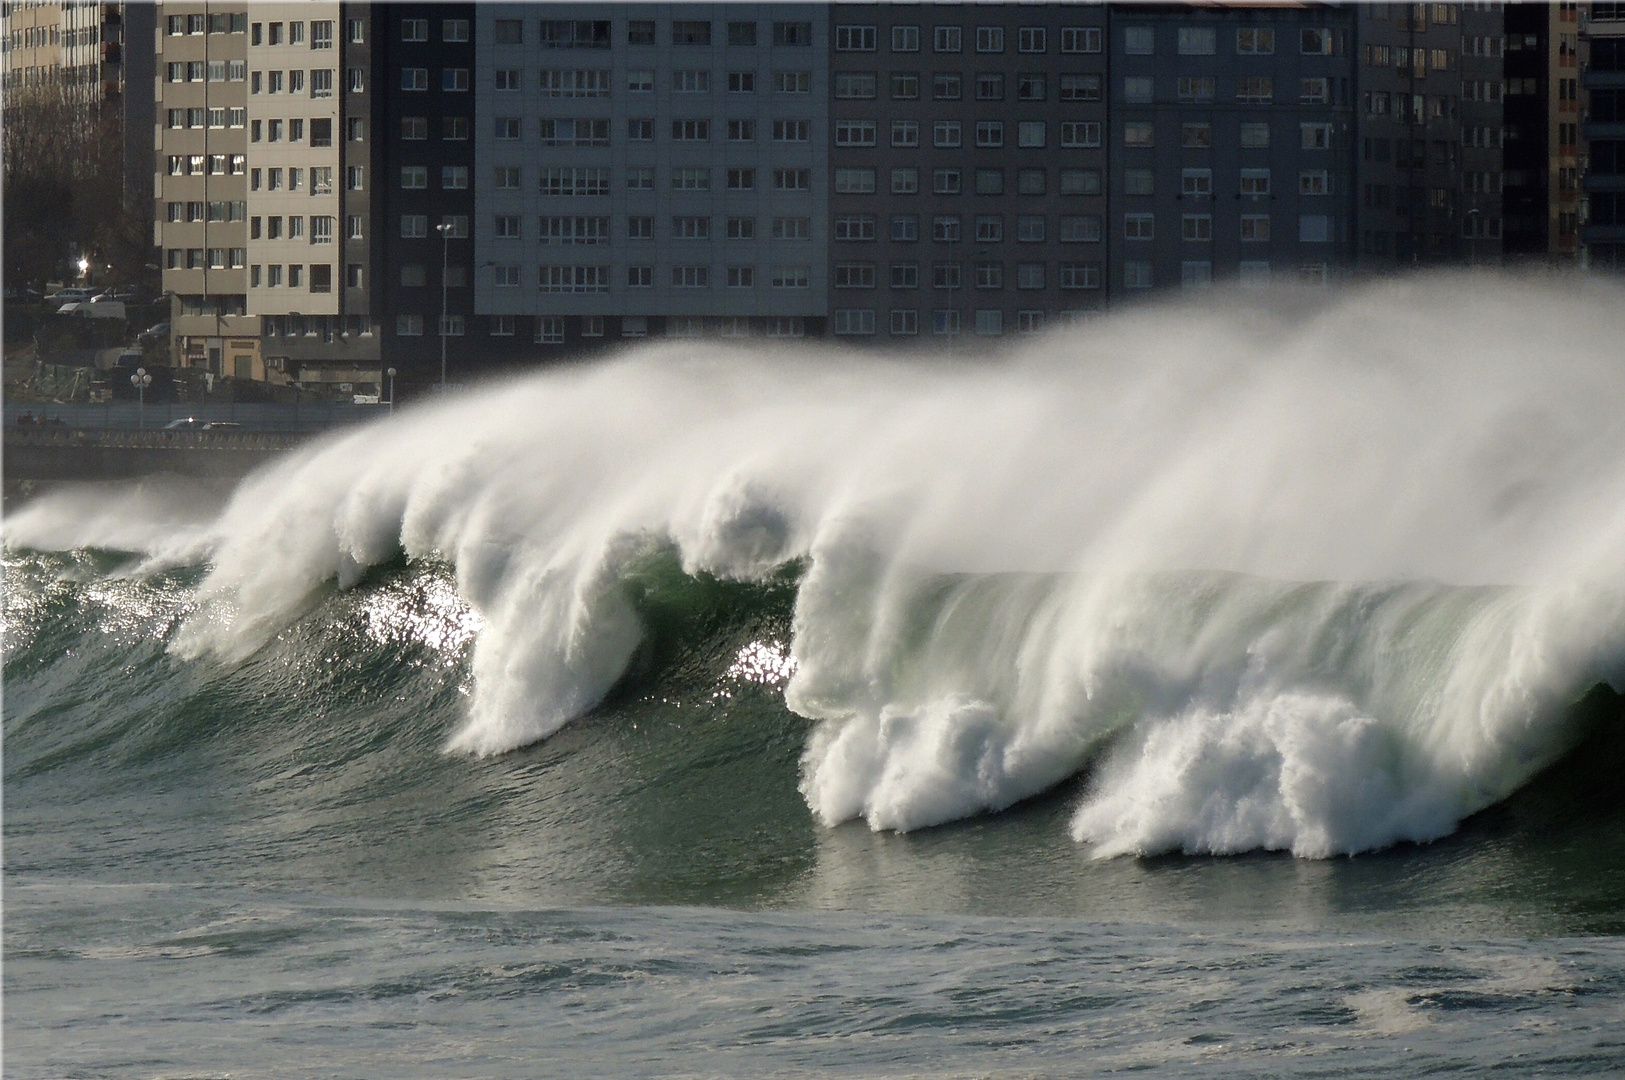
x: 1312, y: 578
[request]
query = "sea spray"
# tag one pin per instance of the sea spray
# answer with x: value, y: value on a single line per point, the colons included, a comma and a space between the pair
x: 1308, y: 575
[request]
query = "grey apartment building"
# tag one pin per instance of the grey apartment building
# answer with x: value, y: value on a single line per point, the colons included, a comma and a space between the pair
x: 1230, y: 132
x: 968, y: 169
x: 649, y: 169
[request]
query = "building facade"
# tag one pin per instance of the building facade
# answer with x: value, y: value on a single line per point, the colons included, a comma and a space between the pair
x: 967, y: 170
x: 1232, y: 129
x: 1602, y: 127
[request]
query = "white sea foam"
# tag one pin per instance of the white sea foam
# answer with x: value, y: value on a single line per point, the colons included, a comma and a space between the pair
x: 1086, y: 549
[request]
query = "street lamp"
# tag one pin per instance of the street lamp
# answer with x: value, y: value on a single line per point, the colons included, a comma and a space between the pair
x: 444, y: 229
x: 391, y: 374
x: 1472, y: 238
x: 141, y: 380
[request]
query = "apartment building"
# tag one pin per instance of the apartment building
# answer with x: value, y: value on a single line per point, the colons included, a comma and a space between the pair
x: 1602, y: 127
x: 261, y: 187
x: 648, y: 169
x: 93, y: 53
x: 1480, y: 208
x: 1231, y: 132
x: 1542, y: 123
x: 1410, y: 161
x: 967, y: 170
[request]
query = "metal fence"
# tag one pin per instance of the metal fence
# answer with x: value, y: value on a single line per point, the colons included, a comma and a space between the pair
x: 128, y: 416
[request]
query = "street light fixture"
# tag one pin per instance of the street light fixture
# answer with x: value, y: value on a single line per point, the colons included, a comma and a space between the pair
x: 444, y: 229
x: 391, y: 374
x: 141, y: 380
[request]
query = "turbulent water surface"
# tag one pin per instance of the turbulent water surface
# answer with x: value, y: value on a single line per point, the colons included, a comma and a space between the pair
x: 1213, y: 689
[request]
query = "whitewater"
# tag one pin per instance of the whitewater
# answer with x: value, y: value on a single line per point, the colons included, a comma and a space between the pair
x: 1319, y: 574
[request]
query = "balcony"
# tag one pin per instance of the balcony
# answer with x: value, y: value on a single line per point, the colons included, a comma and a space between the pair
x: 1593, y: 79
x: 1594, y: 130
x: 1604, y: 182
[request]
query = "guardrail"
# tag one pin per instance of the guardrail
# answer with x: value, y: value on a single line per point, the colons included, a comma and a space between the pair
x: 129, y: 415
x: 116, y: 439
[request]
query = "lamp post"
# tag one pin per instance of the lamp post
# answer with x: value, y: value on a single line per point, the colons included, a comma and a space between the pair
x: 141, y: 380
x: 391, y: 374
x: 444, y: 229
x: 1472, y: 238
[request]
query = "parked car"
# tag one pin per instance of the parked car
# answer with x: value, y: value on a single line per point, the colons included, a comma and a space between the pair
x: 222, y: 425
x: 87, y: 309
x: 70, y: 296
x: 185, y: 423
x: 154, y: 334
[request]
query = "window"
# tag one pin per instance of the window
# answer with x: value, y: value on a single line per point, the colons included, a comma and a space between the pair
x: 1139, y: 227
x: 456, y: 225
x: 580, y: 83
x: 1196, y: 228
x: 1255, y: 136
x: 849, y: 181
x: 989, y: 228
x: 947, y: 86
x: 506, y: 226
x: 1198, y: 136
x: 945, y: 229
x: 905, y: 181
x: 1313, y: 91
x: 905, y: 133
x: 947, y: 39
x: 640, y: 32
x: 1315, y: 42
x: 506, y: 177
x: 801, y: 130
x: 691, y: 179
x: 411, y: 30
x: 640, y: 178
x: 855, y: 227
x: 1080, y: 39
x: 989, y: 322
x: 691, y: 82
x: 1314, y: 182
x: 1080, y: 229
x: 905, y: 275
x: 1031, y: 181
x: 321, y: 132
x: 1255, y: 182
x: 946, y: 133
x: 1255, y: 89
x: 989, y: 275
x: 791, y: 277
x: 1030, y: 134
x: 1196, y: 183
x: 1030, y: 276
x: 1138, y: 89
x: 742, y: 34
x: 1314, y: 229
x: 741, y: 130
x: 509, y: 31
x: 905, y: 39
x: 691, y: 277
x: 741, y: 277
x: 990, y: 39
x: 855, y: 86
x: 1030, y: 229
x: 741, y: 179
x: 1255, y: 41
x: 989, y: 86
x: 453, y: 325
x: 945, y: 322
x: 640, y: 82
x: 1255, y: 228
x: 1139, y: 40
x: 414, y: 78
x: 573, y: 181
x: 1197, y: 89
x: 409, y: 325
x: 905, y: 86
x: 1197, y: 40
x: 592, y: 326
x: 1031, y: 39
x: 690, y: 228
x: 989, y: 134
x: 691, y: 130
x: 453, y: 79
x: 414, y: 177
x: 741, y: 82
x: 1316, y: 136
x: 946, y: 275
x: 988, y: 181
x: 905, y: 323
x: 854, y: 275
x: 1195, y: 274
x: 690, y: 33
x: 946, y: 182
x: 905, y: 228
x: 849, y: 321
x: 640, y: 277
x: 572, y: 279
x: 1136, y: 275
x: 502, y: 325
x: 795, y: 34
x: 1080, y: 88
x: 1080, y: 133
x: 321, y: 34
x: 792, y: 82
x: 855, y: 38
x: 414, y: 128
x: 792, y: 228
x: 1030, y: 87
x: 507, y: 127
x: 1138, y: 134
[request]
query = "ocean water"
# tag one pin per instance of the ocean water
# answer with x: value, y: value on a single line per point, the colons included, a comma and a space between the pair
x: 1219, y: 689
